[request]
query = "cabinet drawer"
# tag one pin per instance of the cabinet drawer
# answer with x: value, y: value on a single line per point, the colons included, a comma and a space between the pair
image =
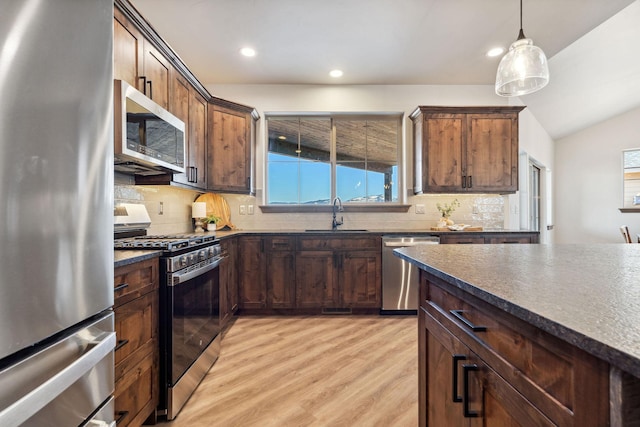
x: 135, y: 325
x: 564, y: 382
x: 280, y: 243
x: 337, y: 243
x: 135, y: 394
x: 448, y: 239
x: 507, y: 239
x: 132, y: 281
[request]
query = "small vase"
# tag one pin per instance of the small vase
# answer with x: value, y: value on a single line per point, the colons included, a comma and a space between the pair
x: 449, y: 221
x: 442, y: 223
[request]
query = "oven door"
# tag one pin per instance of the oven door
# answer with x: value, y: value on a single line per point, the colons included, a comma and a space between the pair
x: 193, y: 317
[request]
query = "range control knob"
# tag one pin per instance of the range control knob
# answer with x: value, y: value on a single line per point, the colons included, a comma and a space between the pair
x: 192, y: 258
x: 183, y: 261
x: 203, y: 255
x: 211, y: 252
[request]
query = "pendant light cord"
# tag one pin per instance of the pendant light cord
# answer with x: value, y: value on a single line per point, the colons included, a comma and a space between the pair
x: 521, y: 34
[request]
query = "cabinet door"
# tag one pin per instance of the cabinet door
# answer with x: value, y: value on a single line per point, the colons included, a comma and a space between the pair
x: 179, y: 107
x: 197, y: 155
x: 443, y: 144
x: 232, y: 265
x: 127, y: 50
x: 229, y: 150
x: 461, y: 390
x: 156, y: 73
x: 281, y: 276
x: 316, y: 279
x: 491, y: 154
x: 360, y: 278
x: 253, y: 286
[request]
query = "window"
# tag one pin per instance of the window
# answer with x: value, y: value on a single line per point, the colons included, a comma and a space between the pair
x: 313, y: 159
x: 631, y: 178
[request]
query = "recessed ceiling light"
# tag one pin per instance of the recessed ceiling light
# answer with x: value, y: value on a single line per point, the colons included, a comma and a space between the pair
x: 496, y: 51
x: 247, y: 51
x: 335, y: 73
x: 282, y: 137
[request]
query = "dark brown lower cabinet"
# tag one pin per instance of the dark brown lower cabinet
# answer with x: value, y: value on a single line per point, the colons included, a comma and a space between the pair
x: 136, y: 353
x: 464, y: 391
x: 316, y: 280
x: 266, y: 272
x: 228, y: 280
x: 480, y: 366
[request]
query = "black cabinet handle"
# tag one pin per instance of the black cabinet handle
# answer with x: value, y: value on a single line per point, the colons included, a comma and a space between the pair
x: 120, y: 287
x: 475, y: 328
x: 120, y: 344
x: 456, y: 359
x: 150, y: 89
x: 121, y: 416
x: 464, y: 181
x: 465, y: 391
x: 470, y: 181
x: 195, y: 178
x: 144, y: 83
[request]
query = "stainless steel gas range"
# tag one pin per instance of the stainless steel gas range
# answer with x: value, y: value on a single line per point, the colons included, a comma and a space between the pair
x: 189, y: 312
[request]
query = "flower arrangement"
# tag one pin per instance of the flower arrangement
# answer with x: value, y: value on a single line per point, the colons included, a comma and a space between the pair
x: 447, y: 209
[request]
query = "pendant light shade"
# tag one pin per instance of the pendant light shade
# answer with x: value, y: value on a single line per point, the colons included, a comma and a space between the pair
x: 523, y: 69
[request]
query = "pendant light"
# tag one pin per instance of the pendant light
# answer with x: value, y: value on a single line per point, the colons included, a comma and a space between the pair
x: 523, y: 69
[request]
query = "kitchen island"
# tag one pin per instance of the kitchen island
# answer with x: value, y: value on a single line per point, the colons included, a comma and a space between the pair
x: 534, y: 334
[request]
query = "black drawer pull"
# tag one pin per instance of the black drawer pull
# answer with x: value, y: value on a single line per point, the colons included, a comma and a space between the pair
x: 458, y: 315
x: 464, y: 181
x: 456, y: 359
x: 120, y: 344
x: 465, y: 391
x: 470, y: 181
x: 121, y: 416
x: 120, y: 287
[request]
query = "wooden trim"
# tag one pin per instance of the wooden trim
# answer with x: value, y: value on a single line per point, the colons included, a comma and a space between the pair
x: 488, y: 109
x: 628, y: 210
x: 329, y: 208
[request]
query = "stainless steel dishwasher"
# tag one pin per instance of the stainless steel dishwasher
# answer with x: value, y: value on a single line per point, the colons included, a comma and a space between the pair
x: 400, y: 278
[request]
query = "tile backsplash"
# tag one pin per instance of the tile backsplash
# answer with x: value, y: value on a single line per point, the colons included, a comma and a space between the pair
x: 170, y: 211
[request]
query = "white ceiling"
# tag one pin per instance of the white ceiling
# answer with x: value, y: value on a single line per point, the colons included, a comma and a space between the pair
x: 394, y: 42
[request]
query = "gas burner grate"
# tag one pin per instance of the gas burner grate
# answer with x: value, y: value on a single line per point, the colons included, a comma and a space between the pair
x: 167, y: 242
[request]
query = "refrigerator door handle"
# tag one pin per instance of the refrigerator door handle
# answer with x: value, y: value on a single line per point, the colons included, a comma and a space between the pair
x: 24, y: 407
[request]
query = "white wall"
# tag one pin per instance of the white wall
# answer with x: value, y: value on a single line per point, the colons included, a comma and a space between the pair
x: 588, y: 181
x: 365, y: 98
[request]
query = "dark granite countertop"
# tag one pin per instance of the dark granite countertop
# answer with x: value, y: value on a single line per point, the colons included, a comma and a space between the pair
x: 587, y: 295
x: 131, y: 256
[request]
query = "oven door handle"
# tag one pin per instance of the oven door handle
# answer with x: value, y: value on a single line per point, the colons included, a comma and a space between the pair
x: 178, y: 278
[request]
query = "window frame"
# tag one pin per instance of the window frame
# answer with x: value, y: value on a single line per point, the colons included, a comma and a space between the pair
x: 397, y: 206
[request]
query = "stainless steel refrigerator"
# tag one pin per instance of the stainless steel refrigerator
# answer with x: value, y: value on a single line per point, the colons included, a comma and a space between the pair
x: 56, y: 215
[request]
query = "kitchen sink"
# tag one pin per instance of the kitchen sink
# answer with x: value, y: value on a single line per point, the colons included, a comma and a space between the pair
x: 334, y: 231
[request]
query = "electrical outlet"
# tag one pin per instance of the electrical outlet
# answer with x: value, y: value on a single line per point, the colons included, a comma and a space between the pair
x: 475, y: 210
x: 420, y: 209
x: 161, y: 208
x: 250, y: 209
x: 243, y: 209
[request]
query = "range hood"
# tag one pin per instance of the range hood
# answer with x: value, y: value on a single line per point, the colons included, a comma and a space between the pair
x: 130, y: 217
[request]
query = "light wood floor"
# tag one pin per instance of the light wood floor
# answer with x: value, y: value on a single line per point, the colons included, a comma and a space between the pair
x: 311, y: 371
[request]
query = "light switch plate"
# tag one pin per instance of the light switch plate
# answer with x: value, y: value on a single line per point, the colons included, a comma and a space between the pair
x: 250, y: 209
x: 420, y: 209
x: 243, y: 209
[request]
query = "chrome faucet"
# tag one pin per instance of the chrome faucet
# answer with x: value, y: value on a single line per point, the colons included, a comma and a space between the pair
x: 337, y: 207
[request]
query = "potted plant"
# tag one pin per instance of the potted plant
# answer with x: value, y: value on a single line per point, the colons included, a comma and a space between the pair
x: 211, y: 222
x: 446, y: 210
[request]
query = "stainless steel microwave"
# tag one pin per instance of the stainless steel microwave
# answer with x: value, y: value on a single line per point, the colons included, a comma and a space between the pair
x: 149, y: 140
